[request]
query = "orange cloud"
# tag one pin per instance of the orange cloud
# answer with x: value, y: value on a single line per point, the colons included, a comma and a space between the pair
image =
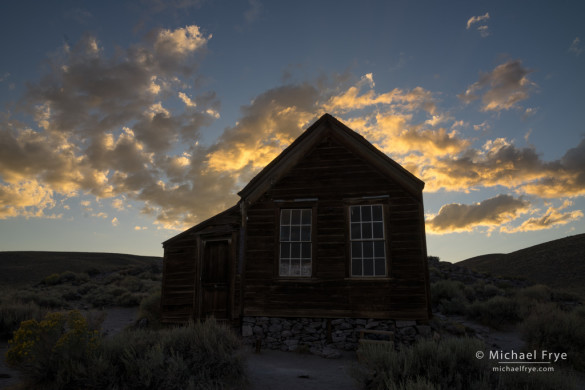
x: 551, y: 218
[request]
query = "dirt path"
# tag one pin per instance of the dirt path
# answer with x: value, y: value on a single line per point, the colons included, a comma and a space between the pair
x: 276, y: 370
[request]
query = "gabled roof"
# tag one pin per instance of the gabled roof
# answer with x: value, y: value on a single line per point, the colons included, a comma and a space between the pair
x: 233, y: 213
x: 326, y: 126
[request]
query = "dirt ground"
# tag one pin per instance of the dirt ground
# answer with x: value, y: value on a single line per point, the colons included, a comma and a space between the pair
x: 276, y: 370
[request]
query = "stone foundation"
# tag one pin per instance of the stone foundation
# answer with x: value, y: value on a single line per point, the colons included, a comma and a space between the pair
x: 324, y: 336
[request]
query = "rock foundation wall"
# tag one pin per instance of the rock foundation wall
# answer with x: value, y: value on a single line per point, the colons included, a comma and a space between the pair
x: 325, y: 336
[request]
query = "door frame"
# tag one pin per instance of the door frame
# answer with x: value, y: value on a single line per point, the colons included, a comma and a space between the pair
x: 202, y: 240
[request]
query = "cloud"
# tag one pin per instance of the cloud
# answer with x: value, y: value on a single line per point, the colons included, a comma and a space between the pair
x: 477, y: 19
x: 80, y: 15
x: 252, y: 13
x: 482, y: 20
x: 575, y: 47
x: 553, y: 217
x: 27, y: 198
x: 355, y: 99
x: 119, y: 204
x: 187, y: 100
x: 505, y: 87
x: 499, y: 163
x: 115, y: 221
x: 489, y: 213
x: 179, y: 43
x: 105, y: 126
x: 101, y: 123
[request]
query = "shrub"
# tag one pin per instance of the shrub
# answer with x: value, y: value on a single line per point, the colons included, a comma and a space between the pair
x: 128, y: 299
x: 449, y: 296
x: 446, y: 364
x: 63, y: 352
x: 52, y: 280
x: 93, y: 271
x: 132, y: 284
x: 555, y: 330
x: 536, y: 293
x: 198, y: 356
x: 12, y: 313
x: 150, y: 310
x: 55, y: 351
x: 483, y: 291
x: 496, y: 312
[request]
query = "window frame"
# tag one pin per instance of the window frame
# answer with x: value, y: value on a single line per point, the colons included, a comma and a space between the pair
x: 367, y: 201
x: 295, y: 205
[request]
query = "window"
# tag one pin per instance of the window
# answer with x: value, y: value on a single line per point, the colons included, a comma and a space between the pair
x: 295, y: 242
x: 368, y: 245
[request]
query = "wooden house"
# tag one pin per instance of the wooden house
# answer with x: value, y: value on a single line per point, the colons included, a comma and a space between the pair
x: 331, y: 228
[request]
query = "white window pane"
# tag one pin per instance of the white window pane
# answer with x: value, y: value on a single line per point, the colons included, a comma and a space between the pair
x: 296, y: 217
x: 368, y: 267
x: 368, y: 249
x: 377, y: 213
x: 356, y: 250
x: 366, y: 230
x: 306, y: 217
x: 295, y: 250
x: 380, y: 267
x: 284, y: 268
x: 366, y: 213
x: 355, y: 213
x: 356, y: 267
x: 305, y: 233
x: 285, y: 217
x: 285, y: 233
x: 379, y: 249
x: 355, y: 231
x: 306, y: 268
x: 295, y: 233
x: 284, y: 250
x: 295, y: 268
x: 378, y: 231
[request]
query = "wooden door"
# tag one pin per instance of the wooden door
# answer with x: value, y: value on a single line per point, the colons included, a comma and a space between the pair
x: 215, y: 279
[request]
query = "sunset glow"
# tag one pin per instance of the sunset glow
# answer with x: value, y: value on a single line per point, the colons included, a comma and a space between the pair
x: 122, y: 124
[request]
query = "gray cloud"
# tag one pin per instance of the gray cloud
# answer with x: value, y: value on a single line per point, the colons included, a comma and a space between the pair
x: 575, y: 47
x: 505, y: 87
x: 490, y: 212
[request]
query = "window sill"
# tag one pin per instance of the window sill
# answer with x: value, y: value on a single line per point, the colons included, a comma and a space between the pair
x: 369, y: 278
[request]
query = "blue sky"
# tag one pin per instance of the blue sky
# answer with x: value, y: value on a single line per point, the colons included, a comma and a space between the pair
x: 123, y: 123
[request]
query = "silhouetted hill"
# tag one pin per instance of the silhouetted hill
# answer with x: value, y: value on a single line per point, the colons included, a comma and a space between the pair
x: 19, y: 268
x: 559, y: 263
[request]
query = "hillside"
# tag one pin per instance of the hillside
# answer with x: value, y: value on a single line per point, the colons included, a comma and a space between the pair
x: 20, y: 268
x: 559, y: 263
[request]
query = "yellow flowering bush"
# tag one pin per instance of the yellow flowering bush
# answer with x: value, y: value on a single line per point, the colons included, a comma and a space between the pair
x: 43, y: 349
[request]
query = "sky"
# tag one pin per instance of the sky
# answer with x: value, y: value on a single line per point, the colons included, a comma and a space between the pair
x: 124, y: 123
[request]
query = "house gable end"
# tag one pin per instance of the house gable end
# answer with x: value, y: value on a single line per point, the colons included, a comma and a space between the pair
x: 328, y: 126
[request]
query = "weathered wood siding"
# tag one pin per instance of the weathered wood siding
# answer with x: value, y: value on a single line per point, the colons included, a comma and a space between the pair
x: 179, y: 275
x: 335, y: 175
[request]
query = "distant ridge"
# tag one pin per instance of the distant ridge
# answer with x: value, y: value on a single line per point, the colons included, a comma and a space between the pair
x: 559, y: 263
x: 25, y: 267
